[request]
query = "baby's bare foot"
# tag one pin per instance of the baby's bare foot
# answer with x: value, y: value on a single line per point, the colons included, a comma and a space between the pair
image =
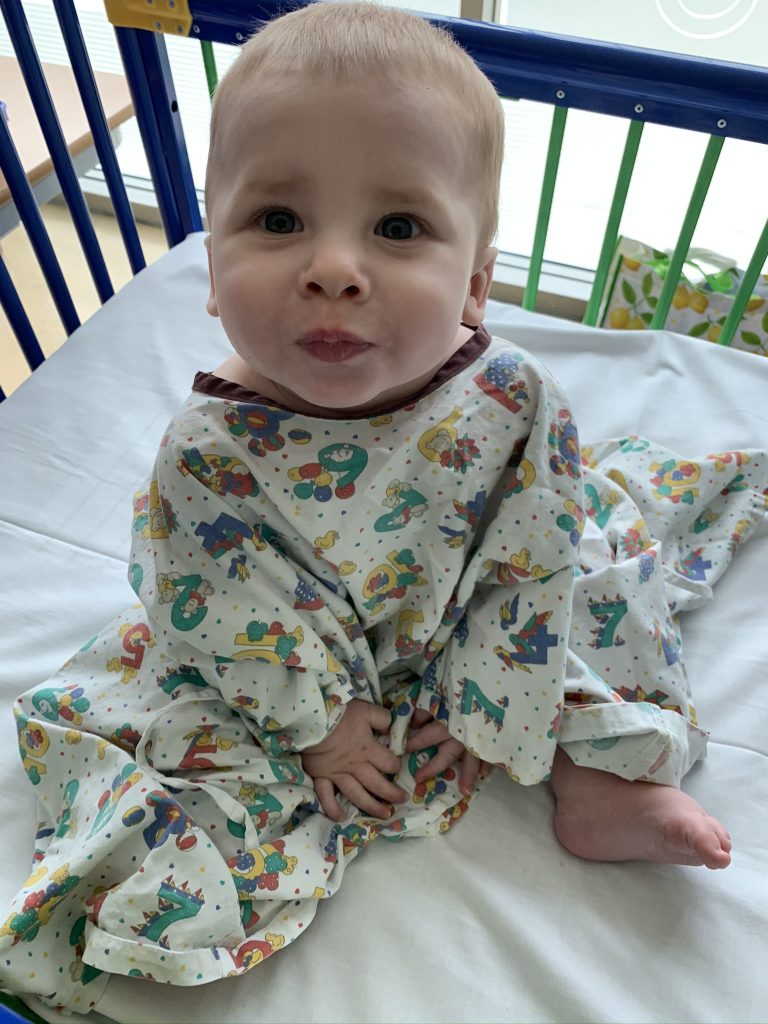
x: 602, y: 817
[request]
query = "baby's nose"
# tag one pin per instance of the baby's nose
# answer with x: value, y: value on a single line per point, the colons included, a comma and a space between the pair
x: 336, y: 272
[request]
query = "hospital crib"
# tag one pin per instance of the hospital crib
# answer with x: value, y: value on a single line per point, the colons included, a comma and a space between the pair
x: 493, y: 922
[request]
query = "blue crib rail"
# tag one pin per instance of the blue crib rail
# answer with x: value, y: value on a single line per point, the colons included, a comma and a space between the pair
x: 720, y: 99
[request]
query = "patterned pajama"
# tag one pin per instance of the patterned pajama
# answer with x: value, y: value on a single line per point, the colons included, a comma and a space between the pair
x: 455, y: 555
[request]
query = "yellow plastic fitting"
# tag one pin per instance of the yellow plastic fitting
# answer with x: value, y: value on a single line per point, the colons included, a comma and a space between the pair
x: 169, y: 16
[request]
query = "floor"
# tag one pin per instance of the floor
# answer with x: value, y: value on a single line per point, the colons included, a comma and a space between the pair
x: 24, y: 270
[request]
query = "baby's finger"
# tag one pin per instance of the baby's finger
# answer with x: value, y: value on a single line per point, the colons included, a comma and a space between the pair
x: 381, y: 757
x: 379, y: 718
x: 378, y: 785
x: 447, y: 754
x: 357, y: 794
x: 432, y: 734
x: 326, y: 794
x: 420, y: 717
x: 470, y: 766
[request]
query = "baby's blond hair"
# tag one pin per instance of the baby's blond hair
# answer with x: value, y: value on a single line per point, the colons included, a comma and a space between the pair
x: 345, y: 40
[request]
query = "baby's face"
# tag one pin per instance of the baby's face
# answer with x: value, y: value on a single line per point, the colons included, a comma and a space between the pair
x: 344, y: 247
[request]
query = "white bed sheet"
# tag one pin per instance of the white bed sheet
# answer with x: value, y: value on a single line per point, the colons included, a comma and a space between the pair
x: 493, y: 922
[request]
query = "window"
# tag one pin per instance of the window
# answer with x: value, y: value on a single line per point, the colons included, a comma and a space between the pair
x: 667, y: 163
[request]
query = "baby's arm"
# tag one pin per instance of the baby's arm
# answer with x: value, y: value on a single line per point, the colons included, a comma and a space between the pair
x: 351, y: 760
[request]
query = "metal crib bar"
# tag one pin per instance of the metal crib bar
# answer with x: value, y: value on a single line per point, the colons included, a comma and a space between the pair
x: 17, y: 317
x: 545, y: 206
x: 20, y: 190
x: 744, y: 293
x: 611, y: 235
x: 18, y: 29
x: 81, y: 66
x: 699, y: 194
x: 149, y: 76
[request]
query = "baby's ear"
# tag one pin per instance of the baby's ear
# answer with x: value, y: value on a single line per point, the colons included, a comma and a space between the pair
x: 479, y: 286
x: 211, y: 305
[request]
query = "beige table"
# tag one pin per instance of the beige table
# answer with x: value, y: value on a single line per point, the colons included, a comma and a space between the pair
x: 28, y: 137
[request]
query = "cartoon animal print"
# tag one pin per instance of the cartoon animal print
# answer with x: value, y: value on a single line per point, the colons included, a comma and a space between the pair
x: 177, y: 676
x: 635, y: 540
x: 473, y: 700
x: 170, y: 819
x: 79, y: 971
x: 270, y: 643
x: 666, y: 643
x: 343, y: 460
x: 523, y: 471
x: 153, y: 516
x: 740, y: 531
x: 39, y: 904
x: 188, y: 594
x: 203, y: 741
x: 634, y: 443
x: 639, y: 695
x: 442, y: 444
x: 261, y: 867
x: 646, y: 564
x: 222, y: 474
x: 425, y: 792
x: 500, y: 380
x: 693, y: 566
x: 227, y: 534
x: 174, y: 903
x: 66, y: 702
x: 564, y: 440
x: 725, y: 459
x: 703, y: 521
x: 136, y: 637
x: 469, y: 512
x: 261, y: 423
x: 572, y: 521
x: 608, y: 615
x: 391, y: 579
x: 405, y: 503
x: 405, y: 645
x: 674, y: 480
x: 255, y: 951
x: 33, y: 746
x: 518, y: 567
x: 600, y: 506
x: 531, y: 643
x: 262, y: 807
x: 125, y: 779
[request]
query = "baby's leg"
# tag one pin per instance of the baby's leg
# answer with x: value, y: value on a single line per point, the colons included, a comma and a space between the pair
x: 600, y: 816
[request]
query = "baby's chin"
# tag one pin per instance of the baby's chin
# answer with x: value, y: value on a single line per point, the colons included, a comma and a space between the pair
x: 318, y: 401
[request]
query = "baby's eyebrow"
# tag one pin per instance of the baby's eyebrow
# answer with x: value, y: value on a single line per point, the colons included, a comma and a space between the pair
x: 407, y: 196
x: 274, y: 185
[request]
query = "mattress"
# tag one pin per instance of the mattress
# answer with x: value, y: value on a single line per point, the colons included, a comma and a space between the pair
x: 494, y: 921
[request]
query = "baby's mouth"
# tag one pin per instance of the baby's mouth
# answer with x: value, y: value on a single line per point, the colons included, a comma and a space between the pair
x: 331, y: 346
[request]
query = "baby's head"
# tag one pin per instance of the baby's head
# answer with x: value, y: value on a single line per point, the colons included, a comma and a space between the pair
x: 352, y: 196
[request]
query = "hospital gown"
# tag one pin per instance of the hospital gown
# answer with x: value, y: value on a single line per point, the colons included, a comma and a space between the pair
x: 457, y: 555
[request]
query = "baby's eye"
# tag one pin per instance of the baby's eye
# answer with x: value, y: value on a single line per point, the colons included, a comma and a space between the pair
x: 278, y: 222
x: 398, y: 227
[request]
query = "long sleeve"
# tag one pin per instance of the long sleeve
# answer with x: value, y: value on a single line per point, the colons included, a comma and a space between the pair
x: 499, y: 680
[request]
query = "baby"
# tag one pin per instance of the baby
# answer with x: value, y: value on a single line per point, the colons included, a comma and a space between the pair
x: 371, y: 559
x: 352, y: 196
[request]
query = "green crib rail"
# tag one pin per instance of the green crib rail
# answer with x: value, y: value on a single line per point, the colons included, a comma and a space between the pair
x: 209, y: 62
x: 611, y: 234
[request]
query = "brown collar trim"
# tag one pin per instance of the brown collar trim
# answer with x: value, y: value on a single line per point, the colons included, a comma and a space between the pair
x: 216, y: 387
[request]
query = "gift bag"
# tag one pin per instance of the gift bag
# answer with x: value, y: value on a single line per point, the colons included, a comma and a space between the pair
x: 701, y: 302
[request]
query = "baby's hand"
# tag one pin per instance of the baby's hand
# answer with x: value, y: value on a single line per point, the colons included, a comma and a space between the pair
x: 431, y: 733
x: 351, y: 760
